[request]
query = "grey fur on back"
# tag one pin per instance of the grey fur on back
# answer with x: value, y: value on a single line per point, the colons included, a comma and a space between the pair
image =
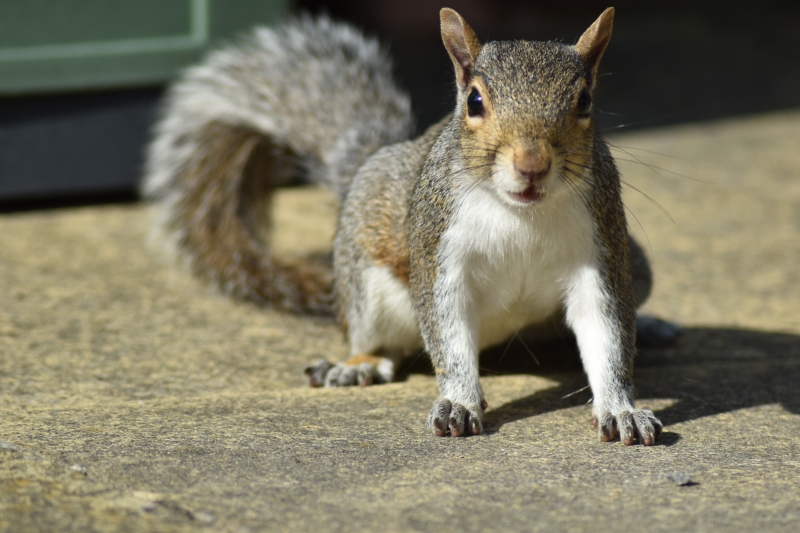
x: 310, y: 97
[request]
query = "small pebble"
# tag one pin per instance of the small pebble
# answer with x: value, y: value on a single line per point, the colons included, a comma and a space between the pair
x: 682, y: 479
x: 79, y: 469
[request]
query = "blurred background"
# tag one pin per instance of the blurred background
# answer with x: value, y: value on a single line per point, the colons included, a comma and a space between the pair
x: 81, y: 80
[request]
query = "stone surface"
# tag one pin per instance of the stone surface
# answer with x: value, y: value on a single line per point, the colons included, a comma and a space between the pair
x: 134, y: 399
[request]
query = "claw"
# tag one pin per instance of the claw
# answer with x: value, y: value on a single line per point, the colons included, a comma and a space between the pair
x: 332, y: 379
x: 607, y: 428
x: 448, y: 417
x: 630, y: 426
x: 475, y: 426
x: 458, y: 417
x: 626, y: 428
x: 438, y: 419
x: 315, y: 374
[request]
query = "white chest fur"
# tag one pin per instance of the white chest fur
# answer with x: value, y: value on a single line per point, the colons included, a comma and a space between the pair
x: 515, y: 265
x: 502, y: 268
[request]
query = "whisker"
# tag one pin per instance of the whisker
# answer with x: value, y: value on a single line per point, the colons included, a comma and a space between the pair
x: 609, y: 113
x: 493, y: 371
x: 575, y: 191
x: 586, y: 167
x: 619, y: 146
x: 586, y: 179
x: 470, y: 169
x: 653, y: 168
x: 526, y: 347
x: 507, y: 347
x: 647, y: 121
x: 651, y: 200
x: 646, y: 236
x: 477, y: 182
x: 575, y: 392
x: 419, y: 354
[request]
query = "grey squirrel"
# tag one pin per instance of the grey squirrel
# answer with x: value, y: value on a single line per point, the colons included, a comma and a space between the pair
x: 505, y: 215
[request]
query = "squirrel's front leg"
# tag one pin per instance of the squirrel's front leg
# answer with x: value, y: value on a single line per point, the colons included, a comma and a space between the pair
x: 604, y: 323
x: 454, y: 354
x: 450, y: 334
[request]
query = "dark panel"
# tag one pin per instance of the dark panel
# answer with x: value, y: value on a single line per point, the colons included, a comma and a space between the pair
x: 74, y: 144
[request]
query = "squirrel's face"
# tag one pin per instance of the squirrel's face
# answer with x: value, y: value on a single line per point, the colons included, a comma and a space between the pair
x: 525, y: 109
x: 526, y: 117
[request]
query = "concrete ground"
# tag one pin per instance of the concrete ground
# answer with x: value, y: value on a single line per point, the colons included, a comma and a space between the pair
x: 134, y: 399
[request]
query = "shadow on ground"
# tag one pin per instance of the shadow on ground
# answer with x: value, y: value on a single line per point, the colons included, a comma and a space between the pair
x: 709, y: 371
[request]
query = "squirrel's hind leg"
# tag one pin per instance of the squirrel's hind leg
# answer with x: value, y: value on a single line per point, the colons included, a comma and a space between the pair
x: 651, y: 332
x: 379, y: 318
x: 361, y: 370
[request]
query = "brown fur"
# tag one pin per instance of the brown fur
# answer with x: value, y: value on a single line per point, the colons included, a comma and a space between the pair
x: 363, y: 358
x: 384, y: 236
x: 224, y: 217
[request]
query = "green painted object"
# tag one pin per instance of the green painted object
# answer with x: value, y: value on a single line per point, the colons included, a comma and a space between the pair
x: 58, y: 45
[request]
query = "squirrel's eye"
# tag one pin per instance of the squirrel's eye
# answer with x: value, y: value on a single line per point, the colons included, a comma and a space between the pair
x: 584, y: 104
x: 474, y: 103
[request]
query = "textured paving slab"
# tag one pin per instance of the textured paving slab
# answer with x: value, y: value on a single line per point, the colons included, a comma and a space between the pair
x: 133, y: 399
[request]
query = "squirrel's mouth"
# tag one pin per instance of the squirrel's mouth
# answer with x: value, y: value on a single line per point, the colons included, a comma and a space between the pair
x: 528, y: 196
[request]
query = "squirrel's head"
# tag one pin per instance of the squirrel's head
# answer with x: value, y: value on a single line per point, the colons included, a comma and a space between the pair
x: 525, y: 107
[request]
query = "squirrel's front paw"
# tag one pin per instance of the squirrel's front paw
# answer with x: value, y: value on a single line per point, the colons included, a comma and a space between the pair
x: 359, y: 370
x: 452, y: 417
x: 629, y: 426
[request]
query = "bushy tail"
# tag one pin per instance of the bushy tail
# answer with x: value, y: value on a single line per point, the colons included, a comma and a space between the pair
x: 312, y: 98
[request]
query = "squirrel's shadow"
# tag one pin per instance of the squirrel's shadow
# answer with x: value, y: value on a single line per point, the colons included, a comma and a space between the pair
x: 708, y: 371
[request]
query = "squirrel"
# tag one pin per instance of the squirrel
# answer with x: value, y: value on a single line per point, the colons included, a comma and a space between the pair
x: 506, y: 214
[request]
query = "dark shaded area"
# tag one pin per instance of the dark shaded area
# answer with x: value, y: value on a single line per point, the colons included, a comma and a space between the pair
x: 709, y: 371
x: 68, y: 201
x: 517, y: 356
x: 667, y: 63
x: 73, y: 147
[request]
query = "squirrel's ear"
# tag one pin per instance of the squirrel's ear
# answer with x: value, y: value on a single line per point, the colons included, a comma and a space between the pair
x: 593, y: 42
x: 461, y: 43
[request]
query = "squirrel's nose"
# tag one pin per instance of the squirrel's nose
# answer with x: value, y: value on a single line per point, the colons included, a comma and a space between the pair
x: 532, y: 165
